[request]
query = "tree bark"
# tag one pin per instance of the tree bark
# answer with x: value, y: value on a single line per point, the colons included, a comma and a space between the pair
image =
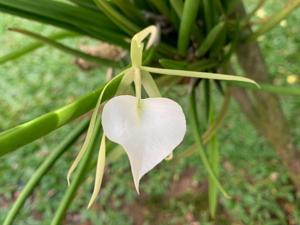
x: 264, y: 109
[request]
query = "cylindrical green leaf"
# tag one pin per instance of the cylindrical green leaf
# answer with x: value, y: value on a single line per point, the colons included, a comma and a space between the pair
x: 42, y: 170
x: 78, y: 178
x: 66, y: 49
x: 33, y: 46
x: 210, y: 39
x: 27, y: 132
x: 189, y: 15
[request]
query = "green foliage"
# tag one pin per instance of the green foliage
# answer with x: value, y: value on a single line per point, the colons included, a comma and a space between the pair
x: 203, y: 45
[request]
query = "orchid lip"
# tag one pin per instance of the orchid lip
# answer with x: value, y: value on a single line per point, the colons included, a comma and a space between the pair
x: 149, y: 135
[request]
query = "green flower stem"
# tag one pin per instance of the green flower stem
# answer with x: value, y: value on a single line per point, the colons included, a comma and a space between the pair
x: 68, y: 50
x: 78, y: 178
x: 189, y: 15
x: 33, y: 46
x: 42, y: 170
x: 25, y: 133
x: 274, y: 20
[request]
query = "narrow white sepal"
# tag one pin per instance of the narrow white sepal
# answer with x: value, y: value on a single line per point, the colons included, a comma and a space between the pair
x: 148, y: 129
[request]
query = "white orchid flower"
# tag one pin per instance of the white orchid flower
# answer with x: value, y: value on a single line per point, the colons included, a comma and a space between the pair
x: 148, y: 129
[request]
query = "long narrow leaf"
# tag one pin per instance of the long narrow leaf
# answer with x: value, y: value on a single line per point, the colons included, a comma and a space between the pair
x: 218, y: 120
x: 78, y: 178
x: 42, y: 170
x: 212, y: 36
x: 27, y: 132
x: 68, y: 50
x: 130, y: 10
x: 162, y: 7
x: 67, y: 16
x: 177, y: 6
x: 122, y: 22
x: 189, y: 15
x: 213, y: 158
x: 33, y: 46
x: 196, y: 134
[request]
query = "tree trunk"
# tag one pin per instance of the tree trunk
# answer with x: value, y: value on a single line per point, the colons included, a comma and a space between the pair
x: 263, y: 109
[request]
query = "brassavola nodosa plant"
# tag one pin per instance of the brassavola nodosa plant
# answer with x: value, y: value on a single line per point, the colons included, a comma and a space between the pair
x: 148, y: 129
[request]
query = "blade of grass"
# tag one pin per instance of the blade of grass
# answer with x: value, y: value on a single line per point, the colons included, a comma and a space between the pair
x: 68, y: 50
x: 42, y: 170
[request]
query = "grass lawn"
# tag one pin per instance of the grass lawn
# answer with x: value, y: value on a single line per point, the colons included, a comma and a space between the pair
x: 175, y: 192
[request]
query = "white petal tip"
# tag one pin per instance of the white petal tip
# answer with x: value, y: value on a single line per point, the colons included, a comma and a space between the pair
x: 137, y: 185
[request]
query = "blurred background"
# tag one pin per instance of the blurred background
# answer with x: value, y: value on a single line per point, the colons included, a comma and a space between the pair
x: 175, y: 192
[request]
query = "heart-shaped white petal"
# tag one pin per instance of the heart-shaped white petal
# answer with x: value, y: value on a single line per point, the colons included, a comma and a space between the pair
x: 148, y: 130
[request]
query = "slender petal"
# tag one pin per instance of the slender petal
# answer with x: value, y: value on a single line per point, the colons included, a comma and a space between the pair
x: 204, y: 75
x: 148, y: 129
x: 99, y: 171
